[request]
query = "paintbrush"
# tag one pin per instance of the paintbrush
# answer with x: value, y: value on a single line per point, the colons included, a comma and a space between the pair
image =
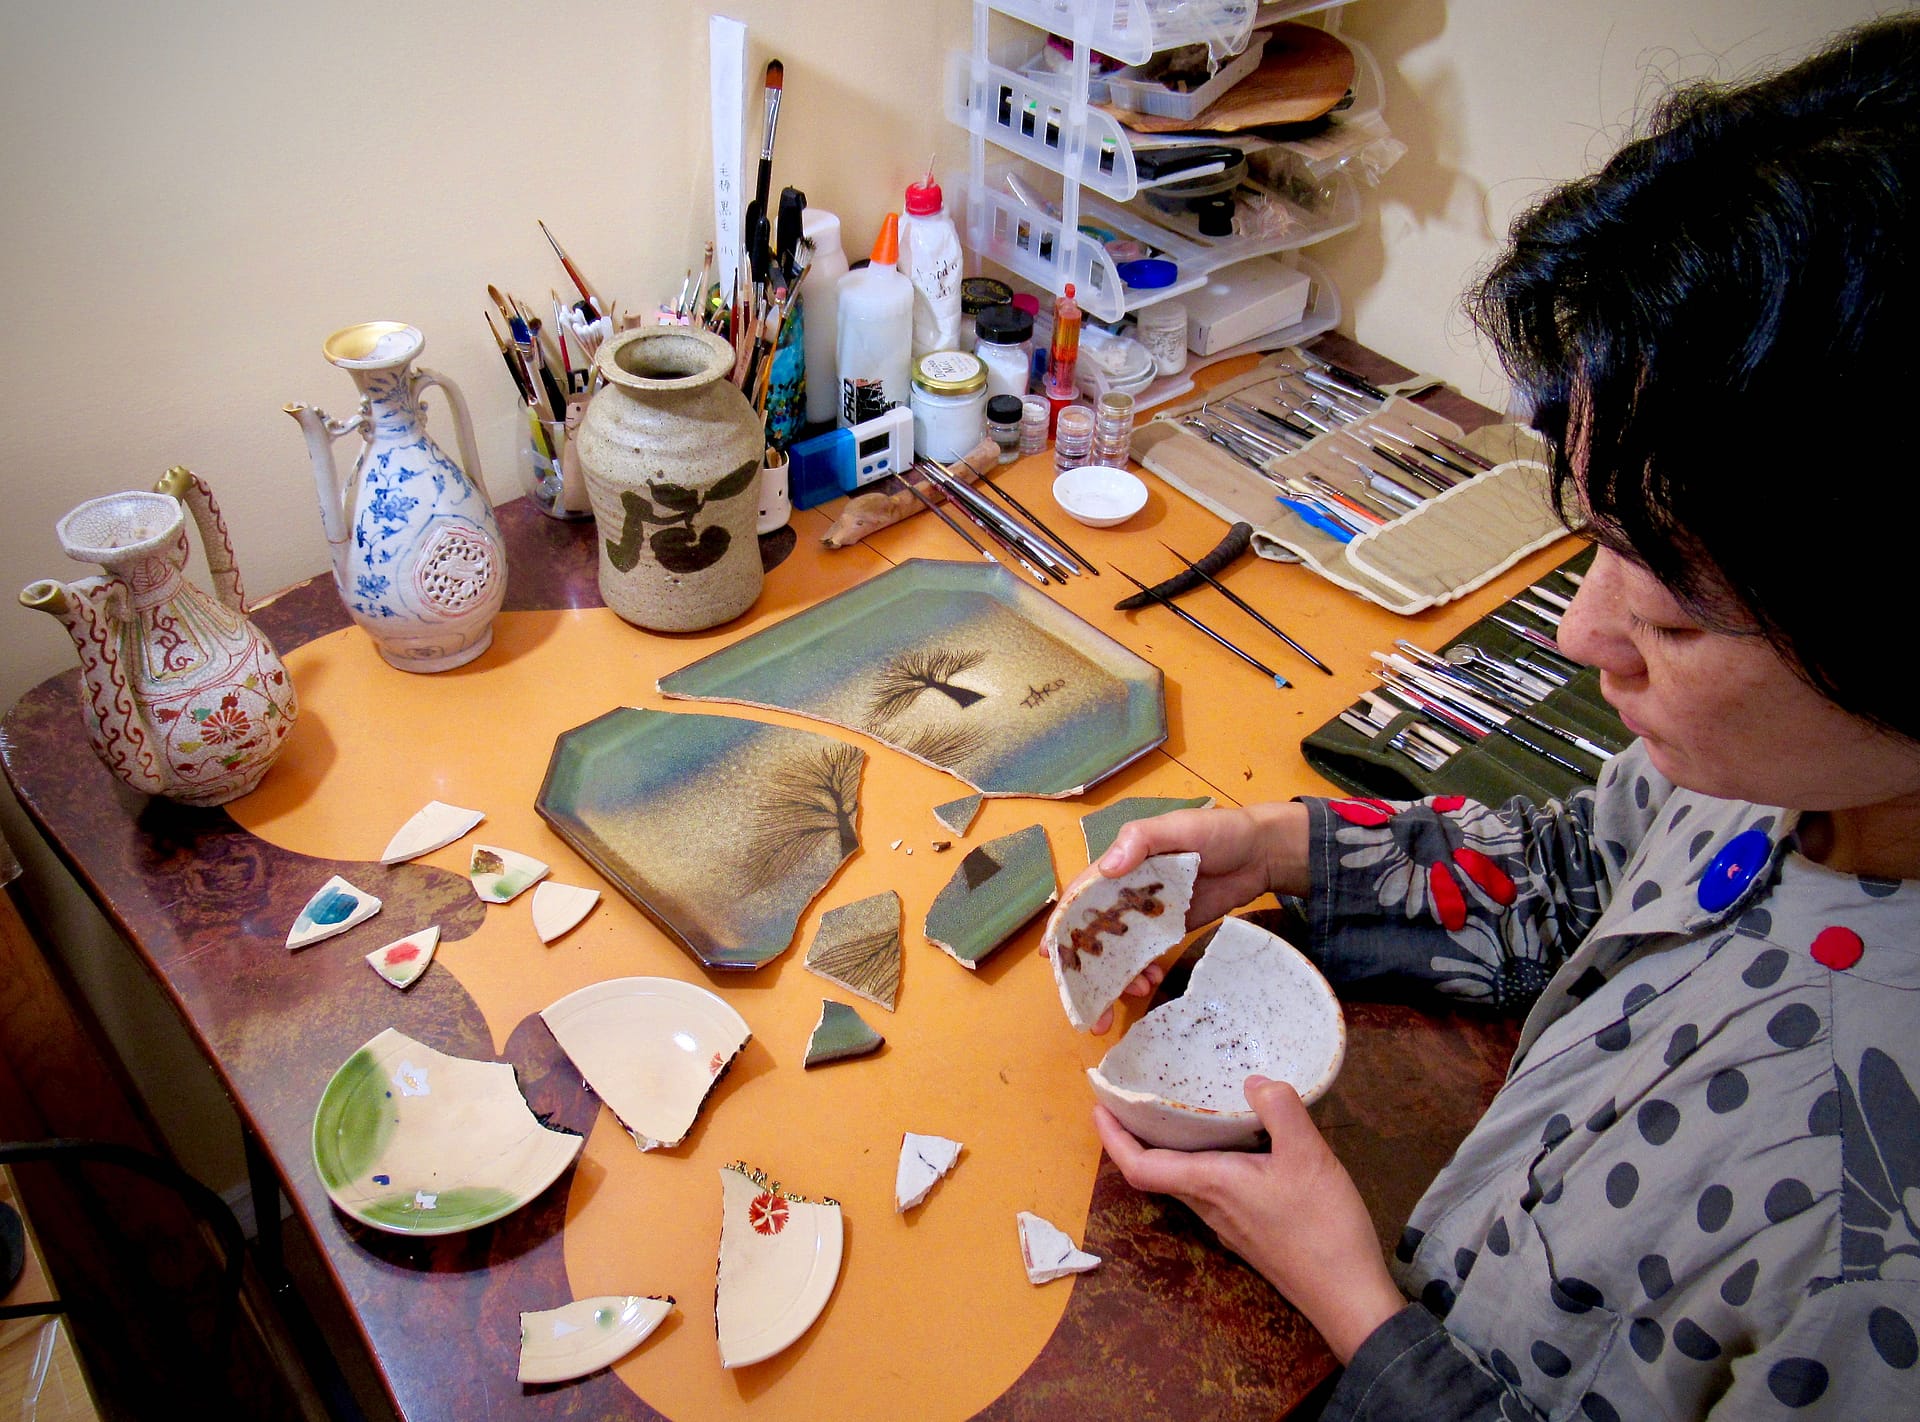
x: 511, y: 357
x: 573, y: 273
x: 1231, y: 596
x: 1194, y: 622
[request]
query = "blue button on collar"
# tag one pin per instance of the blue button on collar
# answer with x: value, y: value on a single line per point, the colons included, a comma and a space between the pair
x: 1733, y: 868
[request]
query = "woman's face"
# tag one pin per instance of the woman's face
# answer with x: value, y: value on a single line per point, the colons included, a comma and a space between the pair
x: 1719, y: 711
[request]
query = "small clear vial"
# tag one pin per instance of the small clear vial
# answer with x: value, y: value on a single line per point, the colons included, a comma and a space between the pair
x: 1004, y: 415
x: 1034, y: 415
x: 1072, y: 438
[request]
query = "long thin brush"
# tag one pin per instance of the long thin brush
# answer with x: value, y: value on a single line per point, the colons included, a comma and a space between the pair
x: 573, y: 272
x: 1197, y: 624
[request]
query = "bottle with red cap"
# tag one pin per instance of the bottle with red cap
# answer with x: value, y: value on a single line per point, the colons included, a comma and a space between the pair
x: 930, y: 258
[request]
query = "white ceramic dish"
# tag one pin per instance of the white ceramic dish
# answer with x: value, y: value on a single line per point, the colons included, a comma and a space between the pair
x: 1099, y: 496
x: 413, y: 1141
x: 1253, y: 1005
x: 779, y: 1260
x: 651, y: 1048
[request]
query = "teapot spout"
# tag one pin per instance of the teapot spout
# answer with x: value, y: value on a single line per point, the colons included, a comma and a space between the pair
x: 320, y: 433
x: 90, y: 611
x: 75, y: 614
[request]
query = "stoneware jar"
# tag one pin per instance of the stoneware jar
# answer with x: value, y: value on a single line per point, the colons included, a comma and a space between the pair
x: 672, y: 454
x: 183, y: 696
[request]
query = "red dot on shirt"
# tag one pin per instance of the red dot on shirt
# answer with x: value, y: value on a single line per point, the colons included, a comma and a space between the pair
x: 1837, y: 948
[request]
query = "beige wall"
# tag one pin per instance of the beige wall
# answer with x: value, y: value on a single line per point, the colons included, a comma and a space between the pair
x: 195, y: 195
x: 1498, y: 99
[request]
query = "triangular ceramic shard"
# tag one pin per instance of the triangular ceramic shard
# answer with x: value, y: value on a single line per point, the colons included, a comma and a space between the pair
x: 334, y: 908
x: 923, y: 1160
x: 402, y: 961
x: 432, y: 828
x: 858, y: 946
x: 1048, y: 1253
x: 1102, y: 825
x: 558, y: 907
x: 651, y: 1048
x: 956, y: 815
x: 560, y: 1344
x: 996, y: 889
x: 1106, y: 931
x: 779, y: 1260
x: 500, y: 874
x: 841, y: 1033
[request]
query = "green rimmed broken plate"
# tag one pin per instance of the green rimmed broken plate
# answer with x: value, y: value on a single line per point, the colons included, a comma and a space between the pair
x: 413, y: 1141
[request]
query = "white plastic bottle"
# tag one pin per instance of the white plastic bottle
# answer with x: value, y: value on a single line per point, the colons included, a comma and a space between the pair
x: 819, y: 306
x: 931, y: 259
x: 874, y: 340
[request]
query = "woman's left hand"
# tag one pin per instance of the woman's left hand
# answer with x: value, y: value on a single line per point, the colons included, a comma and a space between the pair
x: 1292, y: 1212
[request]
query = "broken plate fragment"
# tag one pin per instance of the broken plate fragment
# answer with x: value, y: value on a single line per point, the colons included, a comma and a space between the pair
x: 1253, y: 1005
x: 402, y: 961
x: 956, y: 815
x: 558, y: 907
x: 1106, y: 931
x: 559, y: 1344
x: 841, y: 1033
x: 1048, y: 1253
x: 500, y: 874
x: 413, y: 1141
x: 1099, y: 827
x: 651, y: 1048
x: 858, y: 946
x: 334, y: 908
x: 433, y: 828
x: 998, y: 887
x: 923, y: 1160
x: 779, y: 1260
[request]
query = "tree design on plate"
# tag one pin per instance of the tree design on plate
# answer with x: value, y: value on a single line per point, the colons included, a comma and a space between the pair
x: 905, y: 678
x: 670, y: 513
x: 804, y: 802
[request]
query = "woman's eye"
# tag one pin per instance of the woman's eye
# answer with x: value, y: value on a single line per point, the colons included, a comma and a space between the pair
x: 1656, y: 631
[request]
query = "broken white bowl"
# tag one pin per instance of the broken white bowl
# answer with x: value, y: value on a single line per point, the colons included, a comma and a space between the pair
x: 651, y: 1048
x: 1253, y: 1005
x: 1105, y: 931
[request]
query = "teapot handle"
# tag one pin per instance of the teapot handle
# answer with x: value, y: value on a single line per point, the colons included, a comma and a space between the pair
x: 421, y: 377
x: 188, y: 487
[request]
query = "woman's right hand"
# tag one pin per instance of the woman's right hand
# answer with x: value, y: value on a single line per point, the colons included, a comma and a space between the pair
x: 1243, y: 853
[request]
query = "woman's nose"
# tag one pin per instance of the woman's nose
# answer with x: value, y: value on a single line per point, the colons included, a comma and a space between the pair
x: 1594, y: 628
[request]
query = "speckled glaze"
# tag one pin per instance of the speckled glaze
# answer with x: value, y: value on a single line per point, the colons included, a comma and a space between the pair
x: 672, y: 454
x: 1254, y: 1005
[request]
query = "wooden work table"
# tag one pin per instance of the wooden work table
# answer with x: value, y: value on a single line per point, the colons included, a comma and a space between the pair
x: 932, y: 1316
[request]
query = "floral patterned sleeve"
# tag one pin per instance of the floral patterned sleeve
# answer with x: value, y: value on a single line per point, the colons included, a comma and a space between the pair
x: 1476, y: 901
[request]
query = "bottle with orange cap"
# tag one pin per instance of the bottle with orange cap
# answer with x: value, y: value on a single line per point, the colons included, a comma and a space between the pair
x: 1063, y: 354
x: 874, y: 343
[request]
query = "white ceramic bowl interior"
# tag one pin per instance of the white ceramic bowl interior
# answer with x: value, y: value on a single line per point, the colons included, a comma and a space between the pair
x: 1099, y: 496
x: 1253, y: 1005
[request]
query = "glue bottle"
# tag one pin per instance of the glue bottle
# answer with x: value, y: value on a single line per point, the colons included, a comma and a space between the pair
x: 874, y: 341
x: 930, y: 258
x: 819, y: 305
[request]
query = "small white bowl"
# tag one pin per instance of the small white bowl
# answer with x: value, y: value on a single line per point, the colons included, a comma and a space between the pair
x: 1254, y: 1004
x: 1099, y: 495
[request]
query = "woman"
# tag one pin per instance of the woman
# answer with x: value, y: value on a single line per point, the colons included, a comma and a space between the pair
x: 1698, y: 1191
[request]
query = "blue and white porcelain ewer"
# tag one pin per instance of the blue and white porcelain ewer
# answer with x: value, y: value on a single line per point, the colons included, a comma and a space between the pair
x: 417, y: 555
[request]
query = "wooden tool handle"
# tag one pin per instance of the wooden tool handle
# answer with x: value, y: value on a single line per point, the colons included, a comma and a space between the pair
x: 869, y: 513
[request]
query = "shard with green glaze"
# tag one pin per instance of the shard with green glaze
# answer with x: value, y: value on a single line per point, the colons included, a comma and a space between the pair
x: 841, y: 1033
x: 996, y: 889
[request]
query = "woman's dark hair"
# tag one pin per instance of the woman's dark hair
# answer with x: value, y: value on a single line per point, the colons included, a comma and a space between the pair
x: 1716, y: 333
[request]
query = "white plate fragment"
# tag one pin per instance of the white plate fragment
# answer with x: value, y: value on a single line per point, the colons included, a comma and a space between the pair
x: 558, y: 907
x: 923, y: 1160
x: 434, y: 827
x: 402, y: 961
x: 779, y: 1260
x: 500, y: 874
x: 1105, y: 931
x: 1048, y: 1253
x: 335, y: 907
x: 560, y: 1344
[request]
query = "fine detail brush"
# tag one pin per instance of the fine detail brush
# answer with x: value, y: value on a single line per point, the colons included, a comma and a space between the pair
x: 1231, y: 596
x: 1194, y: 622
